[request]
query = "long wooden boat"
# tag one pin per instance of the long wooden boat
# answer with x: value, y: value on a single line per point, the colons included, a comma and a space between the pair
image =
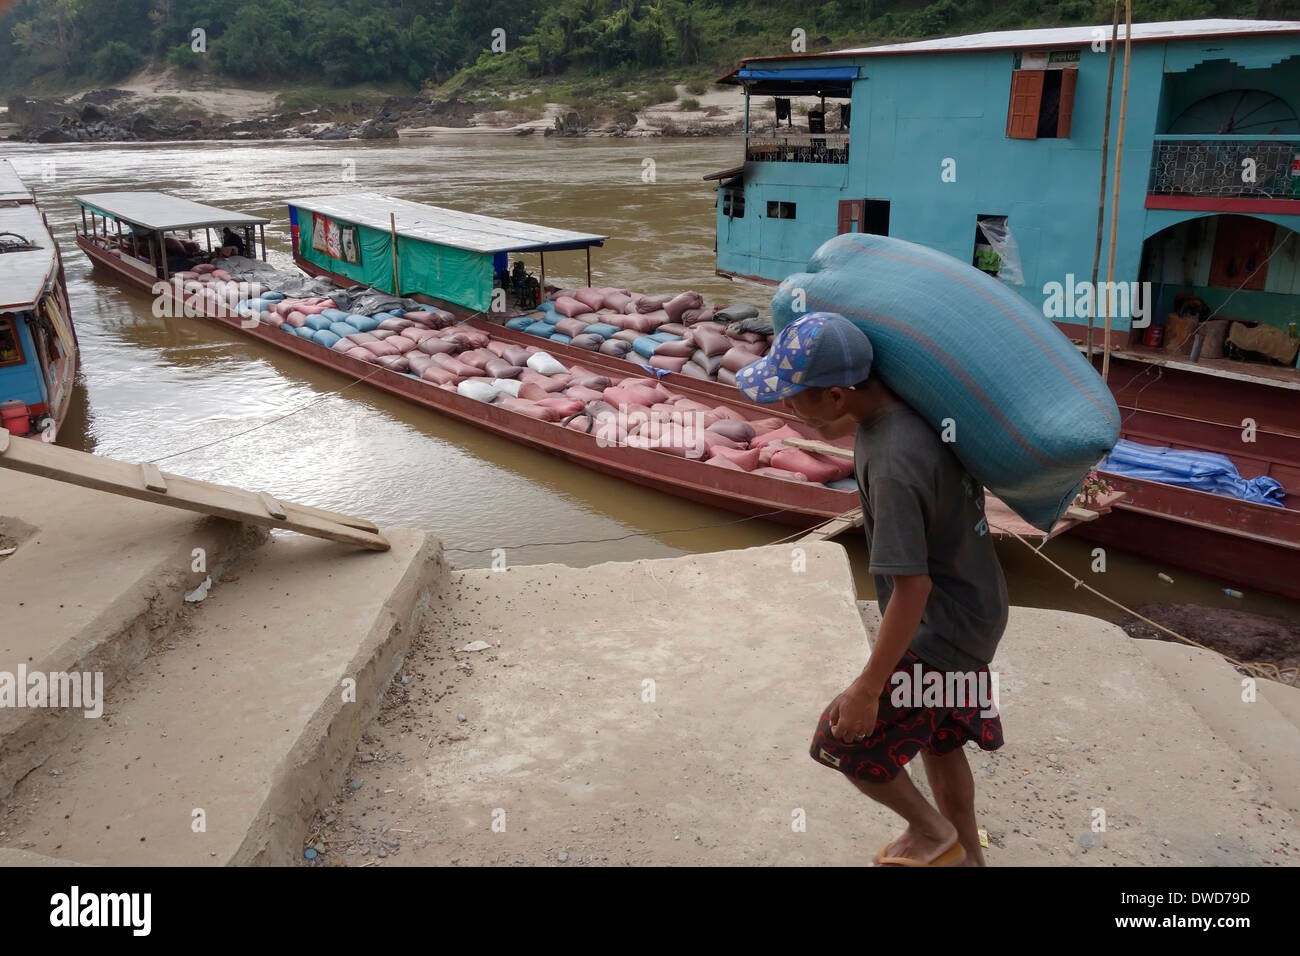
x: 39, y: 352
x: 797, y: 504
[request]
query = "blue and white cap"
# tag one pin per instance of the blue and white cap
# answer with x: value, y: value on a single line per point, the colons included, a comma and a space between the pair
x: 818, y: 350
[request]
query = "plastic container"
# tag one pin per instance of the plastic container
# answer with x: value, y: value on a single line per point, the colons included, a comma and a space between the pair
x: 16, y: 417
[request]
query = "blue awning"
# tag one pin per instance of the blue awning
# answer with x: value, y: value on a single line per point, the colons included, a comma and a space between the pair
x: 798, y: 81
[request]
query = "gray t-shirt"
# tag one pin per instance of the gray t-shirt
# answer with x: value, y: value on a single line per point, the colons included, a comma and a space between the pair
x: 923, y: 514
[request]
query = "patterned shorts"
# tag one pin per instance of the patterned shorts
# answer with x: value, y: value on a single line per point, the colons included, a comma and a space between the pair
x: 900, y: 733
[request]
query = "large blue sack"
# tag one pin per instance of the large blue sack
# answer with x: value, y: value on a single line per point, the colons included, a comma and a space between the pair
x: 316, y: 322
x: 1029, y: 416
x: 521, y: 322
x: 342, y: 329
x: 603, y: 329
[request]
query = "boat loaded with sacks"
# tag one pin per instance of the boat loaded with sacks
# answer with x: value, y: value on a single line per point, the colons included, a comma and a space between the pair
x: 696, y: 439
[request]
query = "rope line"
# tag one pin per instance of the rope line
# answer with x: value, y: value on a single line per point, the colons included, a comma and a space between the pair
x: 1263, y: 669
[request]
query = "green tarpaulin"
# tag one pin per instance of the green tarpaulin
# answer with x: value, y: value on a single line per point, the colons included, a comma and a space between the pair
x: 455, y: 275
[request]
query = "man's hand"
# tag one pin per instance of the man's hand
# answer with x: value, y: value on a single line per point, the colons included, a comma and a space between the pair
x: 853, y: 713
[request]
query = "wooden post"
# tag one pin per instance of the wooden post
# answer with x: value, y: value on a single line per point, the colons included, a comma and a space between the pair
x: 261, y: 231
x: 1105, y: 155
x: 1119, y: 162
x: 207, y: 238
x: 83, y: 220
x: 162, y: 251
x: 543, y: 272
x: 589, y: 267
x: 392, y: 225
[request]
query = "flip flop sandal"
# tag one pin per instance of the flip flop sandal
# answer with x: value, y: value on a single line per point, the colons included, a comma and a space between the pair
x: 949, y: 857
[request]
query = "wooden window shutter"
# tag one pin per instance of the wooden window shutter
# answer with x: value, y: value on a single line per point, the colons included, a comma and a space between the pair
x: 1069, y: 80
x: 850, y: 213
x: 1026, y: 97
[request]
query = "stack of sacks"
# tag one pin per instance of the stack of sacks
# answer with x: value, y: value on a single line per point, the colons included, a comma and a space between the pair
x: 658, y: 331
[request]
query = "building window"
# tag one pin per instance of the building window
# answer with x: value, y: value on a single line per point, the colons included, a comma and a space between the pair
x: 733, y: 203
x: 780, y: 210
x: 1042, y: 95
x: 996, y: 250
x: 11, y: 350
x: 864, y: 215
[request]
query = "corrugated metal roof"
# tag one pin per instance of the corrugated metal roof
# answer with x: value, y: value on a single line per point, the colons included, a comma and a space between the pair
x: 12, y: 188
x: 444, y: 227
x: 23, y: 274
x: 1064, y: 37
x: 161, y: 211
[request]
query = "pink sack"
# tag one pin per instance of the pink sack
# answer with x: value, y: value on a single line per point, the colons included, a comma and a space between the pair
x: 618, y: 301
x: 819, y: 468
x: 736, y: 358
x: 668, y: 362
x: 205, y: 268
x: 652, y: 303
x: 726, y: 411
x: 381, y: 348
x: 721, y: 462
x: 381, y: 334
x: 762, y: 426
x: 531, y: 409
x: 498, y: 348
x: 500, y: 368
x: 417, y: 334
x: 550, y: 383
x: 516, y: 355
x: 776, y: 435
x: 571, y: 307
x: 438, y: 375
x: 597, y: 382
x: 565, y: 406
x: 627, y: 335
x: 295, y: 319
x: 726, y: 376
x: 418, y: 362
x: 571, y: 327
x: 396, y: 324
x: 711, y: 342
x: 679, y: 304
x: 594, y: 298
x: 396, y: 363
x: 746, y: 460
x: 476, y: 357
x: 435, y: 346
x: 677, y: 349
x: 364, y: 355
x: 583, y: 394
x: 403, y: 345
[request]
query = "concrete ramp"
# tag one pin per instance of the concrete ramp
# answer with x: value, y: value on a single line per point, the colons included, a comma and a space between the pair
x: 219, y: 744
x: 660, y: 712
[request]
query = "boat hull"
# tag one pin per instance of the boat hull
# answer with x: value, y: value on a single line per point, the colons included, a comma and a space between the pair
x: 796, y: 504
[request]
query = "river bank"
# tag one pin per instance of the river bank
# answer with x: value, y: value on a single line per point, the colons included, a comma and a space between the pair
x: 154, y: 107
x: 335, y: 707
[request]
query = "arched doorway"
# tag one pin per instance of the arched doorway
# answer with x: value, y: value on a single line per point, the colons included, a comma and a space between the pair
x: 1222, y: 268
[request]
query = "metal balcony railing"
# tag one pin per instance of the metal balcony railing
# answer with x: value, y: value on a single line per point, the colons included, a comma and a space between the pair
x: 1233, y: 167
x: 798, y: 148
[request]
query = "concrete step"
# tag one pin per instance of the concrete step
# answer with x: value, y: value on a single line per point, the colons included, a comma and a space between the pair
x: 217, y: 750
x: 79, y: 602
x: 1263, y: 731
x: 661, y: 712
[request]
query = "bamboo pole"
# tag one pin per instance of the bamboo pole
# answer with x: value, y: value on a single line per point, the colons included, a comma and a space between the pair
x: 543, y: 254
x: 589, y: 267
x: 1119, y: 158
x: 1105, y: 156
x: 392, y: 225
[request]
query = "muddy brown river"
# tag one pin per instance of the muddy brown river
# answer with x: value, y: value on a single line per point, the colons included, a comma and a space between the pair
x: 152, y: 387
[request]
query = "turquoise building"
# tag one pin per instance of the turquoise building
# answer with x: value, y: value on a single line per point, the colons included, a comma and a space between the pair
x: 989, y: 148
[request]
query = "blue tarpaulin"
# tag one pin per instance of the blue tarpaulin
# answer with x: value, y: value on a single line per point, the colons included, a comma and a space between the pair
x: 1201, y: 470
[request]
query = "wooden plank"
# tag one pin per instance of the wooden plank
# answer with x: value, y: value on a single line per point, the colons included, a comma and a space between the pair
x: 1075, y: 513
x: 122, y: 478
x: 152, y: 477
x: 273, y: 507
x: 807, y: 444
x: 834, y: 527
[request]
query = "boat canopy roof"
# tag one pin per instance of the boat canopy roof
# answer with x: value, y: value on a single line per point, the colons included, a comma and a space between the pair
x: 445, y: 227
x: 12, y: 188
x: 24, y: 273
x: 161, y: 212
